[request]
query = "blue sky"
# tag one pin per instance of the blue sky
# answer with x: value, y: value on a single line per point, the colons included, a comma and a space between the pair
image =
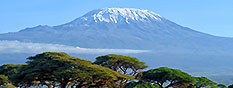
x: 210, y: 16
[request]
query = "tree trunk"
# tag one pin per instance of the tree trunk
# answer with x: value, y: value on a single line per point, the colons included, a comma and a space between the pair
x: 49, y: 86
x: 121, y: 83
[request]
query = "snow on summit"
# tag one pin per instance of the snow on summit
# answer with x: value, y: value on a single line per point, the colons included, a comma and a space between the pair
x: 118, y: 15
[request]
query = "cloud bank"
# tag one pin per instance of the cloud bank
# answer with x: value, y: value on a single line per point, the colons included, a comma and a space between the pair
x: 23, y: 47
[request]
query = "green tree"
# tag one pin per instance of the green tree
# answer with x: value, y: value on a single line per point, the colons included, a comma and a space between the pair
x: 203, y: 82
x: 230, y: 86
x: 9, y: 69
x: 21, y: 78
x: 123, y: 64
x: 3, y: 80
x: 140, y: 84
x: 213, y: 86
x: 91, y: 76
x: 191, y: 86
x: 222, y: 86
x: 171, y: 77
x: 60, y: 69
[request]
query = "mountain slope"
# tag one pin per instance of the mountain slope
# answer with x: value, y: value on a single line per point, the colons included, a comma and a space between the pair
x: 119, y: 28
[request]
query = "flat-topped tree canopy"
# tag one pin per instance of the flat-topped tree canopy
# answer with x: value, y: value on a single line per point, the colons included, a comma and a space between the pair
x: 61, y: 56
x: 9, y: 69
x: 171, y: 77
x: 3, y: 80
x: 52, y: 68
x: 204, y: 82
x: 140, y: 84
x: 123, y: 64
x: 120, y: 62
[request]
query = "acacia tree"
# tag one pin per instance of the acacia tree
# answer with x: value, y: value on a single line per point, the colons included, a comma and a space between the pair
x: 222, y: 86
x: 123, y: 64
x: 203, y: 82
x: 3, y: 80
x: 140, y: 84
x: 230, y: 86
x: 51, y: 68
x: 9, y: 69
x: 92, y: 76
x: 167, y: 77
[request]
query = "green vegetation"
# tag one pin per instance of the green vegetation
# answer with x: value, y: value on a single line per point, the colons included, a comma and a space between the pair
x: 123, y: 64
x: 9, y: 69
x: 57, y: 69
x: 171, y: 77
x: 222, y: 86
x: 230, y: 86
x: 204, y: 82
x: 3, y: 80
x: 140, y: 84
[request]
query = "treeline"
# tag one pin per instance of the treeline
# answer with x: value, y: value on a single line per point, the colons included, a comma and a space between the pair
x: 57, y: 69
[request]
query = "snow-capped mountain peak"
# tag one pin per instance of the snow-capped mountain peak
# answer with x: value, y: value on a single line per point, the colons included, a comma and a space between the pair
x: 120, y: 15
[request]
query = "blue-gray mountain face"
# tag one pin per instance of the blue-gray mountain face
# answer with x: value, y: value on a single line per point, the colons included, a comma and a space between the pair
x: 125, y: 28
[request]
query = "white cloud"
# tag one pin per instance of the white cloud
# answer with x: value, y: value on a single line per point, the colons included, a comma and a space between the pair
x: 23, y: 47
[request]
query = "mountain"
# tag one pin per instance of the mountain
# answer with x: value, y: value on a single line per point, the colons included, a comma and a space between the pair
x: 127, y: 28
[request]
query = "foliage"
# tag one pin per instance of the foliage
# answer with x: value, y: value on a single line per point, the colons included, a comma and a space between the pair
x: 230, y: 86
x: 213, y: 86
x: 55, y: 69
x: 191, y: 86
x: 171, y: 77
x: 203, y: 82
x: 222, y: 86
x: 9, y: 69
x: 123, y: 64
x: 3, y: 80
x: 9, y: 86
x: 59, y: 69
x: 140, y: 84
